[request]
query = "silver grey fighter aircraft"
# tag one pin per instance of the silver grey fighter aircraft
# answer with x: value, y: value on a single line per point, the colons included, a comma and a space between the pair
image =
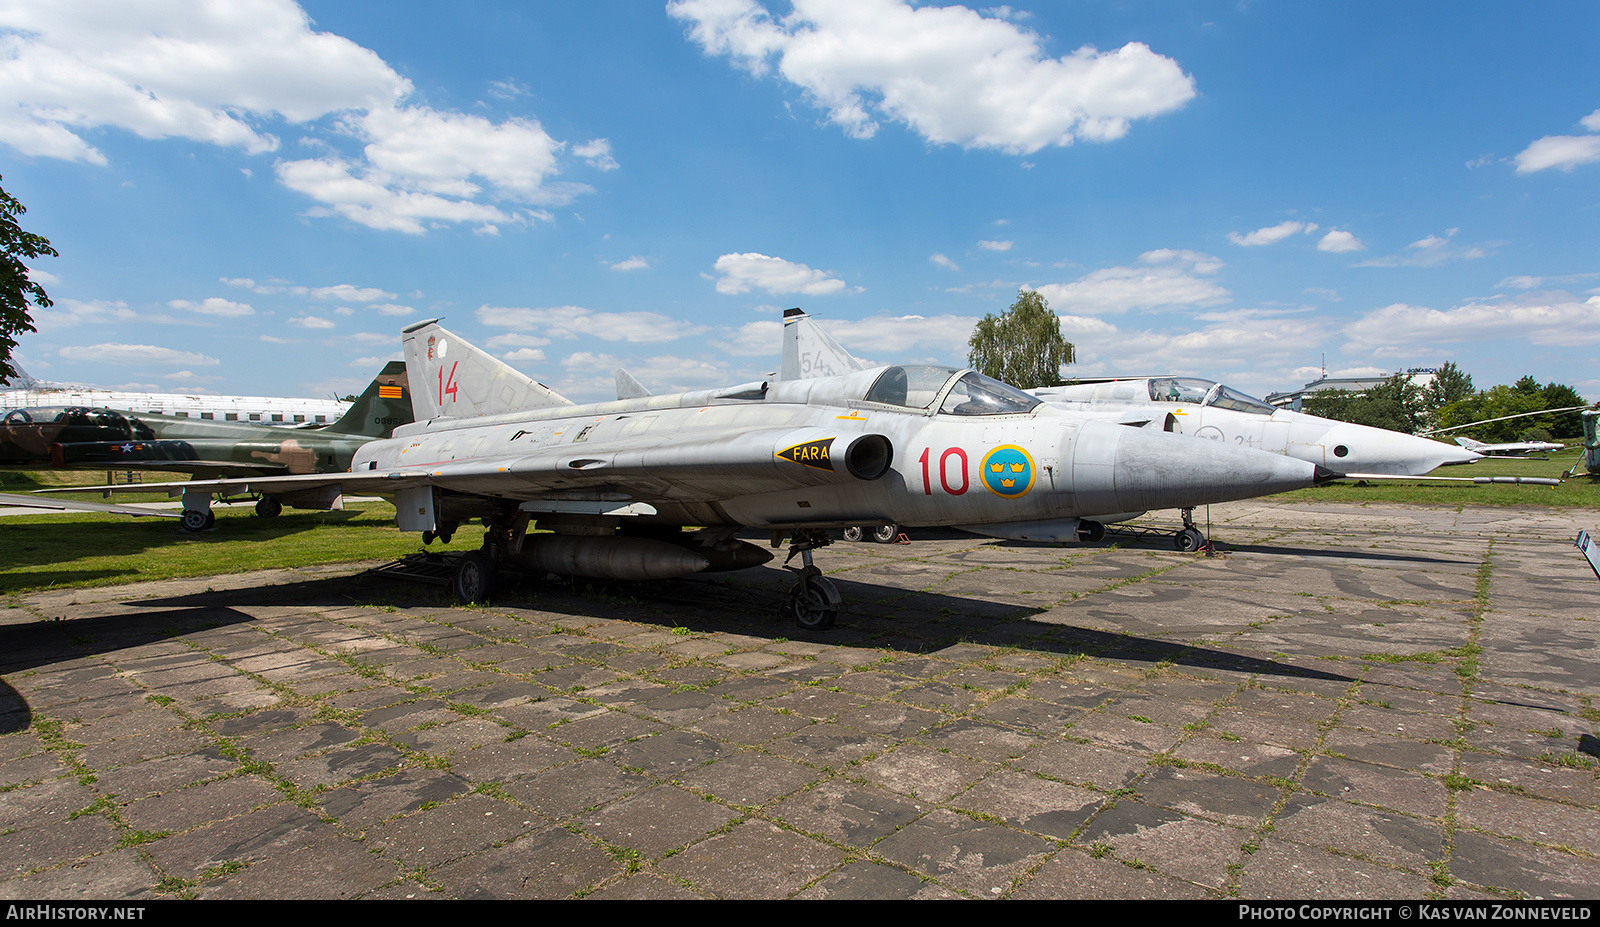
x: 1185, y: 405
x: 1182, y: 405
x: 612, y: 485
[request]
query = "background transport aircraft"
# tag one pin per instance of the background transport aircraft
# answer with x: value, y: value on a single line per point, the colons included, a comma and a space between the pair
x: 1182, y: 405
x: 27, y: 392
x: 615, y: 483
x: 105, y: 439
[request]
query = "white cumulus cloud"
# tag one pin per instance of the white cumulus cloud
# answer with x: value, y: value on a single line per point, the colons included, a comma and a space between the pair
x: 576, y: 322
x: 741, y: 272
x: 952, y: 74
x: 1562, y: 152
x: 1272, y: 233
x: 1545, y: 318
x: 137, y: 354
x: 1338, y: 241
x: 215, y: 306
x: 1164, y: 279
x: 230, y: 73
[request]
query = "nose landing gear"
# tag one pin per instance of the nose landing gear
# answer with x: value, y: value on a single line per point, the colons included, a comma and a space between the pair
x: 1188, y: 539
x: 813, y: 601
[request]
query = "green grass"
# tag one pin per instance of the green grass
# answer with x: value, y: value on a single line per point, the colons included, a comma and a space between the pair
x: 1579, y: 491
x: 78, y: 550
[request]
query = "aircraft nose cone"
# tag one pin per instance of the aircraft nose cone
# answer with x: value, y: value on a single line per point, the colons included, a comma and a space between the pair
x: 1120, y: 469
x: 1378, y: 450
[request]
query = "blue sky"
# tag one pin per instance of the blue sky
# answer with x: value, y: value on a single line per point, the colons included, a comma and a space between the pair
x: 254, y: 197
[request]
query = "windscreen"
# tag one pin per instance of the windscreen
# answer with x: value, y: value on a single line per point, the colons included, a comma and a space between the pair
x: 976, y: 394
x: 1229, y: 398
x: 911, y: 386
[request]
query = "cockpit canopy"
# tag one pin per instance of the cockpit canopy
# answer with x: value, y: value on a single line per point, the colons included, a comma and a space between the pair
x: 1205, y: 393
x: 79, y: 423
x: 918, y: 386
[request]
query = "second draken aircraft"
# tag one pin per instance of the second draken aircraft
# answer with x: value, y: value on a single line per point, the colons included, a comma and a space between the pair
x: 1188, y: 406
x: 613, y: 485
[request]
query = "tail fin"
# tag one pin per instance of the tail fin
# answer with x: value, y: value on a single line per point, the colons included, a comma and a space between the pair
x: 22, y: 380
x: 628, y: 387
x: 809, y: 352
x: 376, y: 412
x: 1470, y: 444
x: 452, y: 379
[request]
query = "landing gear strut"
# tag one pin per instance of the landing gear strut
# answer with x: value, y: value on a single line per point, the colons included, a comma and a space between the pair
x: 813, y: 601
x: 1188, y: 539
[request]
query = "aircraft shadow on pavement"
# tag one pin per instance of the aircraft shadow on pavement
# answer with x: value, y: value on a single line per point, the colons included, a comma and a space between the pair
x: 882, y: 617
x: 1345, y: 553
x: 47, y: 643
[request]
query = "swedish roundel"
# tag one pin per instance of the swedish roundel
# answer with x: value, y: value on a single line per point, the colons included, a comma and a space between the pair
x: 1008, y: 471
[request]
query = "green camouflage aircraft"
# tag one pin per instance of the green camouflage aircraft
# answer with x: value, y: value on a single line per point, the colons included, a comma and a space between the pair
x: 77, y: 438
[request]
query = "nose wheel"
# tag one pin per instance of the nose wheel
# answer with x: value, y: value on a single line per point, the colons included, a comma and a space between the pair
x: 1188, y: 539
x: 813, y: 602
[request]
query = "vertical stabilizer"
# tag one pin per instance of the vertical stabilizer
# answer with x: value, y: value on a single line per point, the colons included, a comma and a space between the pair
x: 452, y: 379
x: 628, y: 387
x: 376, y: 412
x: 809, y: 352
x: 21, y: 380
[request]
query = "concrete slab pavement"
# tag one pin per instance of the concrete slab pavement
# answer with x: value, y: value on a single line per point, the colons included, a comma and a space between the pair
x: 1349, y: 702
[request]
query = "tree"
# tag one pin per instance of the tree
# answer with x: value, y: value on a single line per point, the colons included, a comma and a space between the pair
x: 1397, y: 404
x: 1449, y: 384
x: 1522, y: 397
x: 15, y: 288
x: 1022, y: 346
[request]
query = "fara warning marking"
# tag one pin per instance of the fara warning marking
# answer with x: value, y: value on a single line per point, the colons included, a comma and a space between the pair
x: 810, y: 454
x: 1008, y: 471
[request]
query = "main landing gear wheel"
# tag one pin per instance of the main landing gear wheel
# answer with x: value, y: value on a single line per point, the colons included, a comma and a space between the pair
x: 197, y: 520
x: 474, y: 577
x: 853, y: 533
x: 1091, y: 531
x: 885, y: 534
x: 1188, y: 540
x: 268, y: 507
x: 813, y: 603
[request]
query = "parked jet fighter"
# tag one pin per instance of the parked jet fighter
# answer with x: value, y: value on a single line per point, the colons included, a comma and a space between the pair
x: 1188, y: 405
x: 616, y: 482
x: 1510, y: 447
x: 103, y: 439
x: 1182, y: 405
